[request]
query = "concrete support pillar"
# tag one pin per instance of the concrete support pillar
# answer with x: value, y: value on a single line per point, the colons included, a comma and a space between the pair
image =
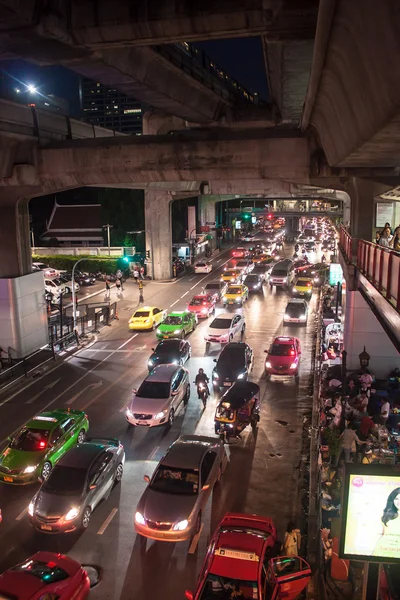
x: 362, y: 328
x: 362, y: 209
x: 207, y: 214
x: 275, y: 203
x: 15, y: 246
x: 157, y: 211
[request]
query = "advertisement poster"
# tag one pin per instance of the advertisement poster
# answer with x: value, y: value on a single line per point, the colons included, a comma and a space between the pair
x: 372, y: 517
x: 384, y: 213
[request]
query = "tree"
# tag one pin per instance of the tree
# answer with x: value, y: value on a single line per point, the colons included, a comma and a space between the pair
x: 124, y: 210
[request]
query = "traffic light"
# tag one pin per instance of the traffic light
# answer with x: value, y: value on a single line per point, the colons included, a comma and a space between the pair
x: 246, y: 216
x: 148, y: 254
x: 126, y: 259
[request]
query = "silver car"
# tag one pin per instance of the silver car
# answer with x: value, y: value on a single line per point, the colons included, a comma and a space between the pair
x: 80, y: 480
x: 160, y: 396
x: 172, y: 505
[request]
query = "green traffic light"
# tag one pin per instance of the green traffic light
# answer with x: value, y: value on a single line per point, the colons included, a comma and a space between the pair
x: 126, y: 259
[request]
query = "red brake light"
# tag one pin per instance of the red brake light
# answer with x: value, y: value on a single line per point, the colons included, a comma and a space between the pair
x: 51, y: 565
x: 292, y: 353
x: 42, y: 444
x: 308, y: 284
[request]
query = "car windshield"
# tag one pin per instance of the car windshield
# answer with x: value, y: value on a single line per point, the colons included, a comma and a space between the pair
x: 46, y: 572
x: 295, y: 310
x: 279, y: 273
x: 282, y: 350
x: 171, y: 480
x: 242, y: 263
x: 31, y: 440
x: 57, y: 281
x: 65, y: 481
x: 198, y: 301
x: 153, y: 389
x: 201, y: 265
x: 141, y: 314
x: 234, y: 289
x: 212, y: 286
x: 303, y: 282
x: 223, y: 588
x: 164, y: 349
x: 251, y: 279
x: 221, y: 323
x: 171, y: 320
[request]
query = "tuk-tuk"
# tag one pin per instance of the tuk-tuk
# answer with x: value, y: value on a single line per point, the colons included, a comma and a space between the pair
x: 238, y: 408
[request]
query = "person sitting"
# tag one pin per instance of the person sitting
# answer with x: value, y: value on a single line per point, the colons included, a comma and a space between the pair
x: 367, y: 425
x: 366, y: 379
x: 361, y: 401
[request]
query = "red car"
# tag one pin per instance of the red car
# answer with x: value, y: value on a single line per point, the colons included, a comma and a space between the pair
x: 45, y: 575
x: 301, y: 264
x: 202, y: 305
x: 238, y: 563
x: 239, y: 253
x: 283, y: 357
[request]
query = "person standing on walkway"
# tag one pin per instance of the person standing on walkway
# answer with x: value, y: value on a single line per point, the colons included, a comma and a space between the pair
x: 136, y: 274
x: 349, y: 439
x: 292, y: 542
x: 118, y: 285
x: 121, y: 283
x: 141, y: 272
x: 385, y: 411
x: 141, y: 299
x: 107, y: 289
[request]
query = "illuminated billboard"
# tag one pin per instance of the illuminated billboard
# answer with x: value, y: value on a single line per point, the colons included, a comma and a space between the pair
x: 371, y: 513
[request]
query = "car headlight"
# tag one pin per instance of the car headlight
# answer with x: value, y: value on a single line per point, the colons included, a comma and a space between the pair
x: 150, y: 363
x: 302, y: 317
x: 181, y: 525
x: 72, y: 514
x: 287, y: 316
x: 241, y: 375
x: 215, y: 375
x: 129, y: 413
x: 30, y: 469
x: 158, y: 330
x: 160, y: 415
x: 175, y: 362
x: 224, y: 298
x: 31, y: 508
x: 268, y: 364
x: 177, y: 331
x: 293, y: 365
x: 204, y: 310
x: 139, y: 518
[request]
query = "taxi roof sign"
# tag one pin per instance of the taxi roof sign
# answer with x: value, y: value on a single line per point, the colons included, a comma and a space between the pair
x: 40, y: 418
x: 239, y: 554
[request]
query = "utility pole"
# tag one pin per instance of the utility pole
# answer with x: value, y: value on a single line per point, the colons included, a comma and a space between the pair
x: 108, y: 227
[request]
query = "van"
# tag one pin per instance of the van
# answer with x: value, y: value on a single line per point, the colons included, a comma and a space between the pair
x: 282, y: 274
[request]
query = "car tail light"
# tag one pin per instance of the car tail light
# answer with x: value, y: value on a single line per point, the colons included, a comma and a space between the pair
x: 42, y: 444
x: 292, y: 353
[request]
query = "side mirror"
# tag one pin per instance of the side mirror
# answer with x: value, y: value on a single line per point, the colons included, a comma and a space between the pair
x: 134, y: 391
x: 189, y: 595
x: 205, y: 487
x: 152, y: 350
x: 146, y: 478
x: 174, y: 393
x: 93, y: 486
x: 266, y: 351
x: 215, y: 360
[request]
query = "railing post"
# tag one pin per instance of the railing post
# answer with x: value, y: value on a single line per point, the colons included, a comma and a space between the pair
x: 374, y: 265
x: 380, y: 274
x: 388, y: 294
x: 398, y: 296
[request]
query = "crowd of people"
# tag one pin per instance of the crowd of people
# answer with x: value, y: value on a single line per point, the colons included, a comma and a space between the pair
x: 389, y: 238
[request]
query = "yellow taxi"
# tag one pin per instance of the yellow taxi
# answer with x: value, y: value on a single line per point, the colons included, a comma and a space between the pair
x: 147, y: 317
x: 261, y: 258
x: 236, y: 294
x: 231, y: 276
x: 302, y: 286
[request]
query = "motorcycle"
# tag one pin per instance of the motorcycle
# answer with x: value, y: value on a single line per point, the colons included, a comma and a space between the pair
x: 203, y: 392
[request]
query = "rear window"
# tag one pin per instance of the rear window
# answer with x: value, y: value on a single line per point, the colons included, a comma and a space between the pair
x: 282, y: 350
x: 233, y: 289
x: 154, y: 389
x: 279, y: 272
x: 295, y: 310
x: 46, y: 572
x: 201, y: 265
x: 141, y: 314
x: 31, y: 440
x: 173, y: 320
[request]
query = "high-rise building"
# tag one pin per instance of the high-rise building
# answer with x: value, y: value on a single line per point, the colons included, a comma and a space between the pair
x: 106, y: 107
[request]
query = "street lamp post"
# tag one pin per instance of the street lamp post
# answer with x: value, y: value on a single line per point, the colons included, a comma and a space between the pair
x: 108, y: 227
x: 146, y: 231
x: 74, y: 293
x: 191, y: 246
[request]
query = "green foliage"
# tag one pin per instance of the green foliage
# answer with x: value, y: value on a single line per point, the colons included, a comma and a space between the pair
x: 332, y: 437
x: 124, y: 210
x: 90, y: 264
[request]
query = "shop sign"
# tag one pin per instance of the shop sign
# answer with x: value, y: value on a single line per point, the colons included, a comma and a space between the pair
x: 335, y: 274
x: 238, y: 225
x: 384, y: 213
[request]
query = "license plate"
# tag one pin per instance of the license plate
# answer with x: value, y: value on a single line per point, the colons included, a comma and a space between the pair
x: 9, y: 479
x: 46, y: 527
x: 165, y: 337
x: 227, y: 384
x: 142, y: 423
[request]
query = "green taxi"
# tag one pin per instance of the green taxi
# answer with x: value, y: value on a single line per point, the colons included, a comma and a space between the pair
x: 34, y: 450
x: 176, y: 325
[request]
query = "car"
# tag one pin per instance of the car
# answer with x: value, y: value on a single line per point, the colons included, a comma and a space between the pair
x: 45, y: 576
x: 239, y: 252
x: 59, y: 282
x: 203, y: 267
x: 147, y: 317
x: 235, y: 294
x: 301, y: 264
x: 296, y: 312
x: 224, y: 328
x: 202, y: 305
x: 318, y: 273
x: 48, y: 271
x: 159, y: 397
x: 34, y: 450
x: 78, y: 483
x: 283, y: 357
x: 262, y: 270
x: 172, y: 505
x: 215, y: 289
x: 254, y: 283
x: 54, y: 289
x: 245, y: 266
x: 302, y: 286
x: 179, y: 265
x: 67, y: 281
x: 310, y: 247
x: 171, y: 351
x: 232, y: 276
x: 177, y: 324
x: 261, y: 259
x: 235, y: 362
x: 282, y: 274
x: 85, y: 278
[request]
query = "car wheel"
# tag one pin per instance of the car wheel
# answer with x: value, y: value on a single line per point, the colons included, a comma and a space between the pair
x: 230, y: 338
x: 187, y: 395
x: 81, y: 436
x: 86, y: 518
x: 119, y: 472
x: 67, y: 290
x: 46, y: 470
x: 171, y: 417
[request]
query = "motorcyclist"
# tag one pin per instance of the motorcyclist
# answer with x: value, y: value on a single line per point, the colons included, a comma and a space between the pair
x: 323, y: 258
x: 201, y: 377
x: 296, y: 248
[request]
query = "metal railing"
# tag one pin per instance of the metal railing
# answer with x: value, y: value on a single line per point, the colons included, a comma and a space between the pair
x: 346, y: 244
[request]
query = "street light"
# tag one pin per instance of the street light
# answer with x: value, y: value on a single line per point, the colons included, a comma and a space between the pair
x: 192, y: 245
x: 364, y: 359
x: 32, y: 89
x: 74, y: 293
x: 108, y: 227
x: 146, y: 231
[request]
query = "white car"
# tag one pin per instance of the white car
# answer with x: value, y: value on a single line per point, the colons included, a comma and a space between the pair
x: 296, y: 311
x: 203, y: 267
x: 51, y: 287
x: 223, y: 329
x: 158, y: 399
x: 48, y: 271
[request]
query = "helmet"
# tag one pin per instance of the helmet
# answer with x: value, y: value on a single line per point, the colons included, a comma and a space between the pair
x: 201, y: 371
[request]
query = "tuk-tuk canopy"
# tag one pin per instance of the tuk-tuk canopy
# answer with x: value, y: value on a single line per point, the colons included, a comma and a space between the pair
x: 240, y: 393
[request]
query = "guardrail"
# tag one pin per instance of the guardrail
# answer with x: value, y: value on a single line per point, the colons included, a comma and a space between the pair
x: 346, y: 243
x: 381, y: 266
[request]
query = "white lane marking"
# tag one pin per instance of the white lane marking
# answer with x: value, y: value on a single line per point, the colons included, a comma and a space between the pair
x: 107, y: 521
x: 47, y: 387
x: 117, y: 351
x: 185, y: 294
x: 205, y: 276
x: 21, y: 515
x: 152, y: 454
x: 90, y: 386
x: 191, y: 279
x: 195, y: 541
x: 176, y: 302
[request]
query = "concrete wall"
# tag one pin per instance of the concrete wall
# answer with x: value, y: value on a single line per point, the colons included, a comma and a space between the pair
x: 362, y: 328
x: 114, y: 251
x: 23, y: 316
